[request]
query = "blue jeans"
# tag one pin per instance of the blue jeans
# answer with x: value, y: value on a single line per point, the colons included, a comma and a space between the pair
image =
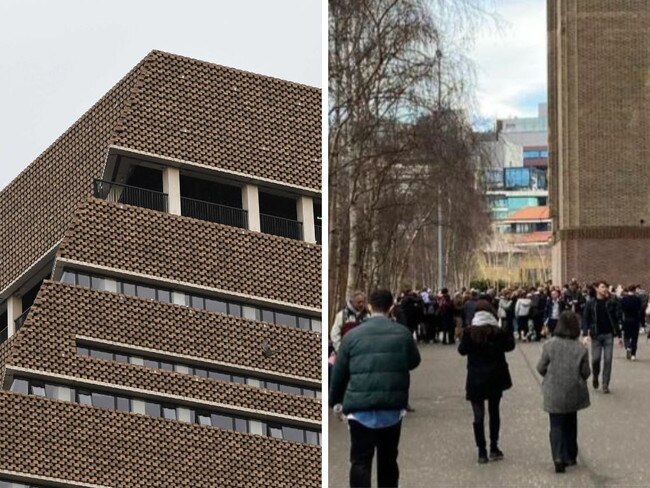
x: 602, y: 345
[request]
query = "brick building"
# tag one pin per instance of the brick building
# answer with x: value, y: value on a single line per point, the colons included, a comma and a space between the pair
x: 599, y: 131
x: 160, y: 288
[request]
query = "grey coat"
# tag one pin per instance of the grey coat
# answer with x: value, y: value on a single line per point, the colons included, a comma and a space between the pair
x: 565, y: 367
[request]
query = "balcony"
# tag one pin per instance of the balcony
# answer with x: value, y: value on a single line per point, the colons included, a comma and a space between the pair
x: 130, y: 195
x: 279, y: 226
x: 18, y: 323
x: 212, y: 212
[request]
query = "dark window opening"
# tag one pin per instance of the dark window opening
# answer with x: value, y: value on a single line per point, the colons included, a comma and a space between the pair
x: 146, y: 178
x: 212, y: 201
x: 279, y: 216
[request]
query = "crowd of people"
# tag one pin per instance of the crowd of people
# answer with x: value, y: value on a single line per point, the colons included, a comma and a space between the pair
x: 370, y: 360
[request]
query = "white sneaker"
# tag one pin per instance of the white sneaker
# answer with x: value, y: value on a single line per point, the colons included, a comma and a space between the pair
x: 633, y: 358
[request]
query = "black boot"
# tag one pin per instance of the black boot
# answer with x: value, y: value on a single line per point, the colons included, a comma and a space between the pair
x: 479, y: 437
x: 495, y: 425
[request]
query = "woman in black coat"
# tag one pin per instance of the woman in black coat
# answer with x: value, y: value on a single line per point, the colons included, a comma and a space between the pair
x: 485, y: 344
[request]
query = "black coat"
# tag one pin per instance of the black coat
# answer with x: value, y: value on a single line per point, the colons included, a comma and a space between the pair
x: 487, y: 370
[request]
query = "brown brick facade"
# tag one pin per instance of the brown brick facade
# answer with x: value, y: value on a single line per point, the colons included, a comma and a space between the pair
x: 599, y: 131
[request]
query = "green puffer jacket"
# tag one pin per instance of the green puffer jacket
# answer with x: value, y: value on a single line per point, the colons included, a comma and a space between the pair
x: 372, y: 367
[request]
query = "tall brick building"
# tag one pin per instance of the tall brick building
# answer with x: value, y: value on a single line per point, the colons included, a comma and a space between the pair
x: 160, y: 288
x: 599, y: 122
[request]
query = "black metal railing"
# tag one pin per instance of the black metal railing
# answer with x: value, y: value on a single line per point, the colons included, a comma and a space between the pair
x: 319, y: 234
x: 213, y: 212
x: 130, y: 195
x: 279, y: 226
x: 18, y: 323
x: 4, y: 334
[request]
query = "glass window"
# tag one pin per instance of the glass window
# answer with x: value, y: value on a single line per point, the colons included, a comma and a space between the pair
x: 20, y: 386
x: 121, y: 358
x: 123, y: 404
x: 152, y: 363
x: 68, y: 277
x: 84, y: 397
x: 303, y: 323
x: 241, y: 425
x: 37, y: 388
x: 169, y: 412
x: 152, y: 409
x: 83, y: 280
x: 166, y: 366
x: 197, y: 302
x: 215, y: 375
x: 271, y: 385
x: 213, y: 305
x: 290, y: 389
x: 203, y: 373
x: 274, y: 431
x: 203, y: 418
x: 52, y: 391
x: 292, y: 434
x: 252, y: 313
x: 285, y: 319
x: 311, y: 437
x: 97, y: 283
x: 147, y: 292
x: 315, y: 325
x: 234, y: 309
x: 267, y: 316
x: 239, y: 379
x: 165, y: 296
x: 103, y: 400
x: 83, y: 351
x: 222, y: 421
x: 96, y: 353
x: 128, y: 289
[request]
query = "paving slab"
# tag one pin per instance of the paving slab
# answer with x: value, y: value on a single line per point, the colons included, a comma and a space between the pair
x: 437, y: 444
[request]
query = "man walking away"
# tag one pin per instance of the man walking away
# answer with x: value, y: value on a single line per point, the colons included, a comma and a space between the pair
x: 632, y: 312
x: 600, y: 327
x: 371, y: 380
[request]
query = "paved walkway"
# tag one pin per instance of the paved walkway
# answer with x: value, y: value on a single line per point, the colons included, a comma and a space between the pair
x: 437, y: 446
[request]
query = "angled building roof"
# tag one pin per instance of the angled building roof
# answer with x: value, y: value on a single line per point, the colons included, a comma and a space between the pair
x: 530, y: 213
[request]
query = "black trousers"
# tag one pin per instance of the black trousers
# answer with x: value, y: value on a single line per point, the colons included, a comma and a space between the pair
x: 564, y: 436
x: 478, y: 407
x: 363, y: 442
x: 631, y: 335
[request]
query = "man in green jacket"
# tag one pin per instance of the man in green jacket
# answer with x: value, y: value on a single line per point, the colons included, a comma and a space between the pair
x: 371, y: 380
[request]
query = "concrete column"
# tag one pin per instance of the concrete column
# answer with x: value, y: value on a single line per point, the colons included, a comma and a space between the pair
x: 172, y: 186
x: 306, y: 216
x: 14, y: 310
x: 251, y: 203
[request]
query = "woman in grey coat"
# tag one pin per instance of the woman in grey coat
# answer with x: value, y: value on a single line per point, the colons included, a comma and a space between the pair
x: 565, y: 367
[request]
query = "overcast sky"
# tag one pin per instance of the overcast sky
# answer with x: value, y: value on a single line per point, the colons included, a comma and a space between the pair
x: 511, y: 62
x: 57, y: 58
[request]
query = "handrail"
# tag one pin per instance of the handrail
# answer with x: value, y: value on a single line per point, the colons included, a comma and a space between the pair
x: 130, y: 195
x: 21, y: 319
x: 214, y: 212
x: 279, y: 226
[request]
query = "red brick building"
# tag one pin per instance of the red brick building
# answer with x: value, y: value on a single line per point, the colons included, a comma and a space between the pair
x: 160, y: 288
x: 599, y: 131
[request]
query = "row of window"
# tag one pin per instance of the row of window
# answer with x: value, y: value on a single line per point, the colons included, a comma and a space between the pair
x: 211, y: 304
x: 535, y: 154
x: 193, y: 370
x: 167, y: 411
x: 15, y: 484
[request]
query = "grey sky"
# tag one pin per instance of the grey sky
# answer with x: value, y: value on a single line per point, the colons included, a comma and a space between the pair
x: 57, y: 58
x: 511, y: 61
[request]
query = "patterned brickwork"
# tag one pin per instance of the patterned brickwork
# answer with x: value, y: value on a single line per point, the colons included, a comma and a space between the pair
x: 37, y: 207
x: 195, y: 251
x: 225, y: 118
x: 599, y: 117
x: 121, y: 450
x: 47, y: 343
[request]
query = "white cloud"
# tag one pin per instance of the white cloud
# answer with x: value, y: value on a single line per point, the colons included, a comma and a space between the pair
x: 511, y: 62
